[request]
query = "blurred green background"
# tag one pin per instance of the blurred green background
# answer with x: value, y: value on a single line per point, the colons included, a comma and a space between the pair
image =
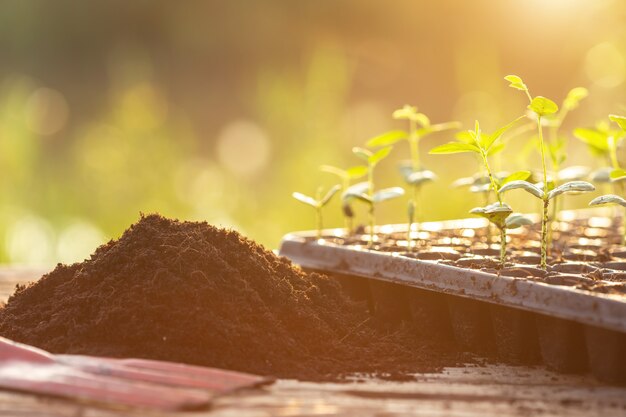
x: 218, y: 110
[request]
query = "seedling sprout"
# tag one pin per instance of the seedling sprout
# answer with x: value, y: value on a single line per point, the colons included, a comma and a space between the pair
x: 318, y: 204
x: 412, y: 172
x: 484, y: 145
x: 346, y: 177
x: 543, y: 107
x: 603, y: 141
x: 612, y: 199
x: 365, y: 191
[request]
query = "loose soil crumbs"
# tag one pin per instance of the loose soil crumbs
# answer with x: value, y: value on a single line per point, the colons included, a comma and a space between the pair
x: 190, y: 292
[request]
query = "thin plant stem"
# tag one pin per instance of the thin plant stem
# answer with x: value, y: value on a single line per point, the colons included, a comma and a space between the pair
x: 546, y: 202
x: 491, y: 178
x: 503, y: 245
x: 544, y: 240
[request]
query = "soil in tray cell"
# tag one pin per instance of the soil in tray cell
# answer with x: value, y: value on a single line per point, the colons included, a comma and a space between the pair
x: 190, y: 292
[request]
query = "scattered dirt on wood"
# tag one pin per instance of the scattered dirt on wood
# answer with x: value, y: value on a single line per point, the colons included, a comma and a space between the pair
x: 190, y: 292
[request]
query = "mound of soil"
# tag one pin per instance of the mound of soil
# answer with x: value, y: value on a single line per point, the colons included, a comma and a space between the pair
x: 190, y: 292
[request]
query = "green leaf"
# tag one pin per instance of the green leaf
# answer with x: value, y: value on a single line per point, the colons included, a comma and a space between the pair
x: 386, y: 139
x: 618, y: 174
x: 517, y: 220
x: 571, y: 187
x: 362, y: 153
x: 356, y: 172
x: 454, y: 147
x: 467, y: 136
x: 305, y: 199
x: 387, y: 194
x: 439, y: 127
x: 464, y: 182
x: 335, y: 171
x: 481, y: 188
x: 574, y: 97
x: 364, y: 198
x: 516, y: 82
x: 419, y: 177
x: 490, y: 139
x: 556, y: 151
x: 498, y: 147
x: 543, y: 106
x: 524, y: 185
x: 379, y: 155
x: 355, y: 190
x: 596, y: 139
x: 608, y: 199
x: 620, y: 120
x: 496, y: 213
x: 516, y: 176
x: 330, y: 195
x: 602, y: 175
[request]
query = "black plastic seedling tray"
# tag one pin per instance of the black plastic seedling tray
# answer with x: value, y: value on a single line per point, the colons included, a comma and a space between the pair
x: 523, y: 320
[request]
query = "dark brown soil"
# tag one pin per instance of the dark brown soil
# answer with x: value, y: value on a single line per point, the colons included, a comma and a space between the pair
x: 193, y: 293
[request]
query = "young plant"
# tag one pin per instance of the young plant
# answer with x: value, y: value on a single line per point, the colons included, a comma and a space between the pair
x: 365, y: 192
x: 485, y: 145
x: 415, y: 179
x: 542, y: 107
x: 501, y: 215
x: 318, y: 204
x: 612, y: 199
x: 346, y: 176
x: 604, y: 141
x: 557, y: 144
x: 557, y: 147
x: 413, y: 173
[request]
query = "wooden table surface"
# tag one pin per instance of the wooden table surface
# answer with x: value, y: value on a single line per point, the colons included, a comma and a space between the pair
x: 484, y: 391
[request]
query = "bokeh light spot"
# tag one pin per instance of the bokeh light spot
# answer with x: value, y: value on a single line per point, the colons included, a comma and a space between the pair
x: 77, y: 241
x: 605, y: 65
x: 243, y: 148
x: 29, y: 241
x: 46, y: 111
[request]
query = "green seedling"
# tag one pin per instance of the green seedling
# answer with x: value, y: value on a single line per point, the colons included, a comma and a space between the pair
x: 501, y: 215
x: 557, y: 144
x: 612, y: 199
x: 542, y: 107
x: 365, y: 192
x: 415, y: 179
x: 318, y: 204
x: 603, y: 140
x: 346, y: 176
x: 412, y: 172
x: 537, y: 190
x: 485, y: 145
